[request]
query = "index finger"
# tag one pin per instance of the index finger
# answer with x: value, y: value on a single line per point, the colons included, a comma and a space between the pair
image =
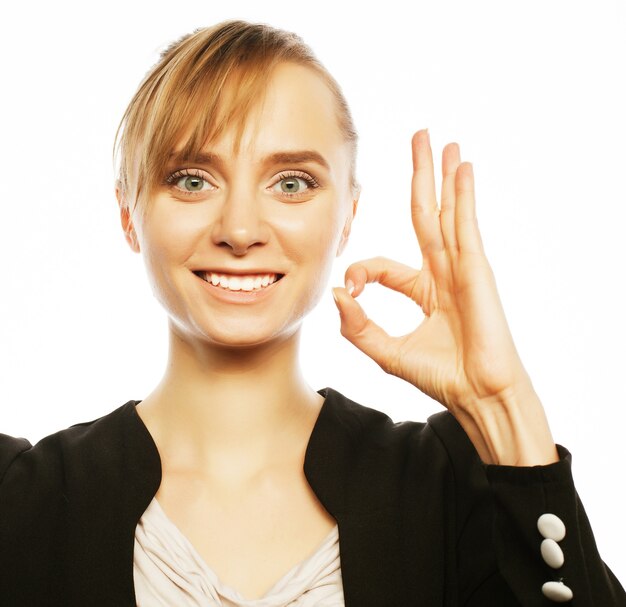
x: 387, y: 272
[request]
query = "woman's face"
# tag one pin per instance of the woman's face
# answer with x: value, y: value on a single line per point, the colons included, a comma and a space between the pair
x: 238, y: 248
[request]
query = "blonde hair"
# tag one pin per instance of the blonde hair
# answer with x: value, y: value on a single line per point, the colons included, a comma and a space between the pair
x: 205, y: 83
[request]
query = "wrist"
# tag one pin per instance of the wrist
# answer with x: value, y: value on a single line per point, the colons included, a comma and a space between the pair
x: 509, y: 428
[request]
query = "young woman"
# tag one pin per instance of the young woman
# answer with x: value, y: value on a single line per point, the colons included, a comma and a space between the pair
x: 235, y: 483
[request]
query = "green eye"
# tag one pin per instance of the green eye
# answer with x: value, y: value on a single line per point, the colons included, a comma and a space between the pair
x: 294, y: 184
x: 189, y: 181
x: 193, y: 183
x: 290, y: 185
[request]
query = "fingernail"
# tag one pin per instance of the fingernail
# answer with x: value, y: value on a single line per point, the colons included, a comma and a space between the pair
x: 334, y: 295
x: 427, y: 136
x: 350, y: 286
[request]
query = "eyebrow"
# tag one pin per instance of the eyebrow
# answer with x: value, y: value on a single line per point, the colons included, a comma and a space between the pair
x: 283, y: 157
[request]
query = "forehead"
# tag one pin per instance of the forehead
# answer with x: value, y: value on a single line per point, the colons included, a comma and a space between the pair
x: 296, y: 111
x: 299, y: 103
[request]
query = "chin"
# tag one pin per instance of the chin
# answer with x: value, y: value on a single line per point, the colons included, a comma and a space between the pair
x: 238, y: 334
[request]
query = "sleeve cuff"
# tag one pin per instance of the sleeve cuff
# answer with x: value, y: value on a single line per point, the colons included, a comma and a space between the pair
x: 524, y: 475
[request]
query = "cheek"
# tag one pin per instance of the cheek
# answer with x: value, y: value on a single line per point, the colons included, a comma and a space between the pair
x: 173, y: 236
x: 310, y: 239
x: 168, y: 239
x: 310, y: 235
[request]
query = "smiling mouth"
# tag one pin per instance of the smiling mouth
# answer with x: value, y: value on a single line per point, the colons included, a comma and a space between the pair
x: 239, y: 282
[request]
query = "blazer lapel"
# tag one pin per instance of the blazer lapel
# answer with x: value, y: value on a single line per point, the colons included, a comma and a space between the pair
x: 113, y: 475
x: 370, y: 534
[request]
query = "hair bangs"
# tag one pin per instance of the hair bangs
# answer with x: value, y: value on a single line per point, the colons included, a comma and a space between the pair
x: 186, y: 122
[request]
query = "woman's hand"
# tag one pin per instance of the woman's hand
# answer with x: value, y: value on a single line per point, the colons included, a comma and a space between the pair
x: 462, y: 354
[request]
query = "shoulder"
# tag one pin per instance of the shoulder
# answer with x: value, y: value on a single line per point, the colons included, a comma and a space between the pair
x: 359, y: 448
x: 10, y: 448
x: 83, y: 447
x: 363, y: 430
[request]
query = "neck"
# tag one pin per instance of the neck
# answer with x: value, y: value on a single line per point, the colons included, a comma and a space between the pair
x: 243, y: 406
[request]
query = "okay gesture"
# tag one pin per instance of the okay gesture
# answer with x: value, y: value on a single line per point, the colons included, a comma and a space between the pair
x: 462, y: 354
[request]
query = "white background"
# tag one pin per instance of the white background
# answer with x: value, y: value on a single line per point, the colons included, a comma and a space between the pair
x: 532, y: 91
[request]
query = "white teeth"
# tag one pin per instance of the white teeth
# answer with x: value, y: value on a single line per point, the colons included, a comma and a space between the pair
x: 247, y: 282
x: 233, y: 283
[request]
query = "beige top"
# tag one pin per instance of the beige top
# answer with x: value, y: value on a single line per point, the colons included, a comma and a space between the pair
x: 169, y: 571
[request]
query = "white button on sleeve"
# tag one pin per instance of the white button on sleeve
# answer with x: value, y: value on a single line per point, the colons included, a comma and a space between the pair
x: 557, y: 592
x: 552, y: 553
x: 551, y: 527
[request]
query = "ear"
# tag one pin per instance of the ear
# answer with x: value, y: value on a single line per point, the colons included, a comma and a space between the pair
x: 345, y: 234
x: 127, y: 222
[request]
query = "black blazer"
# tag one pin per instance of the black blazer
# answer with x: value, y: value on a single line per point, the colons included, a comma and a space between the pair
x: 422, y: 522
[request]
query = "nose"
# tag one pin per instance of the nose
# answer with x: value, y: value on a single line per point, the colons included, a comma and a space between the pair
x: 240, y: 224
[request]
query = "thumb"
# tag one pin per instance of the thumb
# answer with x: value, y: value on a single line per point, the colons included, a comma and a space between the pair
x: 352, y: 315
x: 362, y: 332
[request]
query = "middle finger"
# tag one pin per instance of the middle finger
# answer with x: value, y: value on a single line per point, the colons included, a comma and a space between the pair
x: 424, y: 209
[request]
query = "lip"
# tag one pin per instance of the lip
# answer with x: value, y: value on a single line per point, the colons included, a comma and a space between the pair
x: 240, y: 297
